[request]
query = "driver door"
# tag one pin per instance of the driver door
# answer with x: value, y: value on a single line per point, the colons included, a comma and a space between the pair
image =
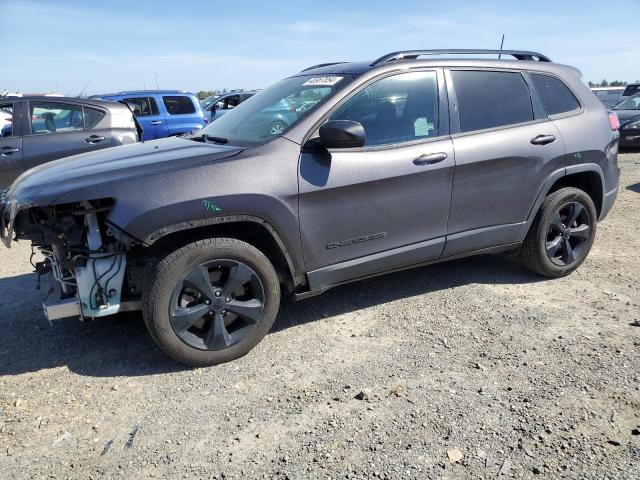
x: 385, y: 205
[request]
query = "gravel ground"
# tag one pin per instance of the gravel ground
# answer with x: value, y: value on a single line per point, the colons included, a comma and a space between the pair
x: 470, y: 369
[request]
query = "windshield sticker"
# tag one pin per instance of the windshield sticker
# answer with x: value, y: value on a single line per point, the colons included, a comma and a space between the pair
x: 321, y: 81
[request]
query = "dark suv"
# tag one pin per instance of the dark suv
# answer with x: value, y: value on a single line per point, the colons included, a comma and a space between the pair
x: 392, y: 164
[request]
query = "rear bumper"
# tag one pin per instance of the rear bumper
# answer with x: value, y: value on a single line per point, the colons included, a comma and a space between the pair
x: 608, y: 201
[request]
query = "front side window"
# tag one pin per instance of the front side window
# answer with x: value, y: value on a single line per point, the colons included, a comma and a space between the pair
x: 142, y: 106
x: 268, y: 114
x: 555, y: 95
x: 396, y: 109
x: 6, y: 119
x: 178, y: 105
x: 53, y: 117
x: 491, y: 99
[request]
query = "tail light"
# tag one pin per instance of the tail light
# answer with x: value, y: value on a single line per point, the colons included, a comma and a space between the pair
x: 614, y: 121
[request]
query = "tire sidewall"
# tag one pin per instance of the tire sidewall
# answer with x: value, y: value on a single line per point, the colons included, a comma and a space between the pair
x: 173, y: 268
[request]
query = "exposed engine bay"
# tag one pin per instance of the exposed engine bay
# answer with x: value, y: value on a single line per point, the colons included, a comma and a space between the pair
x: 85, y: 259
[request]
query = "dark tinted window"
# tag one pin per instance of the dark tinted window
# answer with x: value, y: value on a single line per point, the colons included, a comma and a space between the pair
x: 395, y: 109
x: 631, y: 90
x: 491, y: 99
x: 92, y: 117
x: 178, y: 105
x: 143, y: 106
x: 555, y: 95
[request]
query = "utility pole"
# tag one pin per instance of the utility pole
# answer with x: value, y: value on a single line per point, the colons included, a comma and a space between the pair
x: 156, y: 74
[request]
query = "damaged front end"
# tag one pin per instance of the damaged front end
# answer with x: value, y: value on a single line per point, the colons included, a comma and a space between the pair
x: 84, y: 257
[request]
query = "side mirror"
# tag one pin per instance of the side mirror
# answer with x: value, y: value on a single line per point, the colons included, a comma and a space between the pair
x: 342, y: 134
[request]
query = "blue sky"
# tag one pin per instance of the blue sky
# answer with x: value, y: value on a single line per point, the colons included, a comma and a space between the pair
x: 203, y: 45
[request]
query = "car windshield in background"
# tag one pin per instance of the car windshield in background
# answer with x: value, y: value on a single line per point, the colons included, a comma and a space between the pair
x: 629, y: 103
x: 271, y: 112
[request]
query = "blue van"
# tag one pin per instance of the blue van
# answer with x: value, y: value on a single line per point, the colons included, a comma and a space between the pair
x: 162, y: 113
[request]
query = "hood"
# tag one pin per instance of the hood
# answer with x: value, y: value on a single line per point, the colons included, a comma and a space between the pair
x: 44, y: 184
x: 625, y: 116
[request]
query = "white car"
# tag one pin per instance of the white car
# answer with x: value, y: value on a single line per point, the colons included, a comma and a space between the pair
x: 6, y: 114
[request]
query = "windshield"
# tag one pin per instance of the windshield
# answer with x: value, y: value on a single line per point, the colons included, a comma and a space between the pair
x: 629, y: 103
x: 270, y: 113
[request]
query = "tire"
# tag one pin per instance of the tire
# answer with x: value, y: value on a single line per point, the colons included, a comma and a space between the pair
x: 193, y: 327
x: 544, y: 250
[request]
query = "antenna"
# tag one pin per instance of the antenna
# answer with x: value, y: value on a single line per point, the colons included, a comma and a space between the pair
x: 501, y: 45
x: 85, y: 87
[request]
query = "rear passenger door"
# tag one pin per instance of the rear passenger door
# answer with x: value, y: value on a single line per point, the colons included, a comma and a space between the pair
x: 181, y: 114
x: 505, y: 148
x: 152, y: 121
x: 11, y: 164
x: 57, y: 129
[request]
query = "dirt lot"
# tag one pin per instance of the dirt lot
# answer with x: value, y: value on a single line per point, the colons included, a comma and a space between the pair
x: 477, y: 359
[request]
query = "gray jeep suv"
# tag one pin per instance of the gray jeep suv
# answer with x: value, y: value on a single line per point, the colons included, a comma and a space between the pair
x: 395, y: 163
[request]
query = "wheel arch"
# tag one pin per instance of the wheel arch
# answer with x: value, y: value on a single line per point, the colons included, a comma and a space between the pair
x: 587, y: 177
x: 253, y: 230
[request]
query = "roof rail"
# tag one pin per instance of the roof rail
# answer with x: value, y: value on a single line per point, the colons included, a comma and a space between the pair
x: 321, y: 65
x: 413, y: 54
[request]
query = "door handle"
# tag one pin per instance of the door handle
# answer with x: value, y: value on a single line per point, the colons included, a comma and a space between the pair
x: 543, y: 139
x: 156, y: 122
x: 430, y: 158
x: 94, y: 139
x: 4, y: 151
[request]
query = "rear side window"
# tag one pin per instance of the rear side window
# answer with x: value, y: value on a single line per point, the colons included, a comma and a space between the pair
x: 92, y: 117
x: 555, y: 95
x: 55, y: 117
x: 178, y: 105
x: 491, y: 99
x: 143, y: 106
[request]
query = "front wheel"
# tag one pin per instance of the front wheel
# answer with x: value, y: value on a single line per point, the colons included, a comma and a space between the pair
x: 211, y: 301
x: 561, y: 234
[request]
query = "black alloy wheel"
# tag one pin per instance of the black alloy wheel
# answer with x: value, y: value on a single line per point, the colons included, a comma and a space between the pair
x: 217, y: 304
x: 568, y: 234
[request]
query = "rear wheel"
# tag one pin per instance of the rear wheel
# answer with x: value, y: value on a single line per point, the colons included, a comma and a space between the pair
x: 561, y: 235
x: 211, y: 301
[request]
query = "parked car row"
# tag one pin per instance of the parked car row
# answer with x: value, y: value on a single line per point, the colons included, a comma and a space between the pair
x: 162, y: 113
x: 41, y: 129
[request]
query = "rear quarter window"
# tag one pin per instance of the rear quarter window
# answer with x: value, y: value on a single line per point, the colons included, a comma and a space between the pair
x: 92, y: 117
x: 489, y: 99
x: 554, y: 94
x: 179, y: 105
